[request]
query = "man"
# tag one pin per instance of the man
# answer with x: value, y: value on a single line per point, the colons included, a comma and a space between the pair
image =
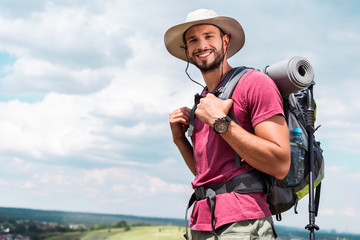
x: 261, y: 138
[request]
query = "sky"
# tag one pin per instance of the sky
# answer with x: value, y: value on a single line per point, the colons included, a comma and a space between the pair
x: 86, y: 88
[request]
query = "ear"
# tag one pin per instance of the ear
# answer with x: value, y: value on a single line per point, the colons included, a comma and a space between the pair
x: 226, y: 41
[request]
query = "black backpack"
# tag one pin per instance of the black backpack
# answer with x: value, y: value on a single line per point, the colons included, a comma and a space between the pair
x: 281, y: 196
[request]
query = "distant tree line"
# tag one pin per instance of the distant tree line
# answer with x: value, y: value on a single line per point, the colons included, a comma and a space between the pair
x: 35, y: 230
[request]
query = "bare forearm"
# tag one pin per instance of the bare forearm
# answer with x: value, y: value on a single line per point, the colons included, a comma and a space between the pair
x: 264, y: 155
x: 187, y: 153
x: 268, y: 150
x: 179, y: 122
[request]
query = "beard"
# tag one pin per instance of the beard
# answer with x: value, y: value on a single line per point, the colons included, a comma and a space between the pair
x: 208, y: 67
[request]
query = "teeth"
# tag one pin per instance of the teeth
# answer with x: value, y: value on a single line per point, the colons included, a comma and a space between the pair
x: 204, y: 55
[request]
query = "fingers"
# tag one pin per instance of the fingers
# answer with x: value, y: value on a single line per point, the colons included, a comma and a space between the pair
x: 227, y: 105
x: 179, y: 121
x: 211, y: 107
x: 181, y: 115
x: 211, y: 98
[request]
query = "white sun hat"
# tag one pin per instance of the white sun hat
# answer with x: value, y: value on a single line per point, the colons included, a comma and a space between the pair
x: 174, y: 36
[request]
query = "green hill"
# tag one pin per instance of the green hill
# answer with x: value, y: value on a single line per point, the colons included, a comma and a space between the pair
x: 82, y: 217
x: 89, y: 219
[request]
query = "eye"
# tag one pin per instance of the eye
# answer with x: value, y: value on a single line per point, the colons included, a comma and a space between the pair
x: 191, y: 40
x: 209, y: 36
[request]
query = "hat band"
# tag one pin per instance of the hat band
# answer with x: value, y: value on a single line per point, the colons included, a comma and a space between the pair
x: 221, y: 31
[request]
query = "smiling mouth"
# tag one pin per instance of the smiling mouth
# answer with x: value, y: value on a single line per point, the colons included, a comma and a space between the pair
x: 203, y: 54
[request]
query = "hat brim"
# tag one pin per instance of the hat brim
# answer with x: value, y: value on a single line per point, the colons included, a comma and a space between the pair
x: 173, y: 37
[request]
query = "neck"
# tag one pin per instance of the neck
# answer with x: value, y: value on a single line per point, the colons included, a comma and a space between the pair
x: 214, y: 77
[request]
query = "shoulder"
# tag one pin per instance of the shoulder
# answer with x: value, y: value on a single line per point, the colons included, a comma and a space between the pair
x: 255, y: 83
x: 255, y: 77
x: 259, y: 94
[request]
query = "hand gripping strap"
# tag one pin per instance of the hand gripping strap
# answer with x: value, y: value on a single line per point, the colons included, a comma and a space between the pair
x: 223, y: 92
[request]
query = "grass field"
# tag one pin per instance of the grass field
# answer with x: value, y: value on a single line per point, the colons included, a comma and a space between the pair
x: 136, y: 233
x: 170, y: 232
x: 151, y: 233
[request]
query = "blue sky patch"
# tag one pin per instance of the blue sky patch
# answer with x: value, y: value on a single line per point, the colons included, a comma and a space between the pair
x: 5, y: 59
x: 29, y: 98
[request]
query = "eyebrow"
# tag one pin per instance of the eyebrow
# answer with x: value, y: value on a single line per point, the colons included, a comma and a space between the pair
x: 205, y: 33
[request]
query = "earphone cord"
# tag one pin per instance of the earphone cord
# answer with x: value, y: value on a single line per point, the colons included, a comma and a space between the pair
x: 186, y: 71
x: 188, y: 62
x: 187, y: 66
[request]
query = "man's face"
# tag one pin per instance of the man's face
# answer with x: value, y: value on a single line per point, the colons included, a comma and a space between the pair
x: 205, y: 46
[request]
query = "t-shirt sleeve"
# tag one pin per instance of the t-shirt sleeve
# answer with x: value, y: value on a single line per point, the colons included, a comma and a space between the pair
x: 260, y: 97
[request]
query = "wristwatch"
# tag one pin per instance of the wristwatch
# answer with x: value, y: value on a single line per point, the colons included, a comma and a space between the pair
x: 221, y: 125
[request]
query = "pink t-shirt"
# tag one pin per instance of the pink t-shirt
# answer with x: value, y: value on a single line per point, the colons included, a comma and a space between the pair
x: 256, y: 98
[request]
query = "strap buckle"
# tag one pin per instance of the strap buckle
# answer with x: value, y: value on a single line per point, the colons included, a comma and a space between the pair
x: 200, y: 193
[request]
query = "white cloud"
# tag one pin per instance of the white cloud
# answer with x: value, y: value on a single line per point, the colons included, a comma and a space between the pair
x: 63, y: 49
x: 47, y: 178
x: 100, y: 137
x: 58, y: 125
x: 130, y: 111
x: 338, y: 201
x: 85, y: 187
x: 327, y: 212
x: 99, y: 177
x: 119, y: 187
x: 90, y: 192
x: 41, y: 76
x: 333, y: 169
x: 355, y: 176
x: 158, y: 186
x: 27, y: 185
x: 65, y: 35
x: 3, y: 182
x: 349, y: 211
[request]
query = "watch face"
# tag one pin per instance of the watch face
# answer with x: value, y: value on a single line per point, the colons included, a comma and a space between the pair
x: 221, y: 125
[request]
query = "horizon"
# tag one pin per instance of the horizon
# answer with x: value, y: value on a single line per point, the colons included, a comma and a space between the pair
x: 176, y: 219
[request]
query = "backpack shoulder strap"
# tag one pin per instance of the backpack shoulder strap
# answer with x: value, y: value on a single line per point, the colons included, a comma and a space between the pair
x: 223, y: 92
x: 227, y: 88
x: 226, y: 93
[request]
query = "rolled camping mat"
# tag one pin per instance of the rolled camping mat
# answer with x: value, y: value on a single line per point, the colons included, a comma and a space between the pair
x: 291, y: 75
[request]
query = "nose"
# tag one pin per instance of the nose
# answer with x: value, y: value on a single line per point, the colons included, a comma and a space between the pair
x: 201, y: 45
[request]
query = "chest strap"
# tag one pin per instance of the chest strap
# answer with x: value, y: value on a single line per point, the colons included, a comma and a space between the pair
x: 250, y: 182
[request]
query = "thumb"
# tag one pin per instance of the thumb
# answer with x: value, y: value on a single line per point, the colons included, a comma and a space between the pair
x: 227, y: 105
